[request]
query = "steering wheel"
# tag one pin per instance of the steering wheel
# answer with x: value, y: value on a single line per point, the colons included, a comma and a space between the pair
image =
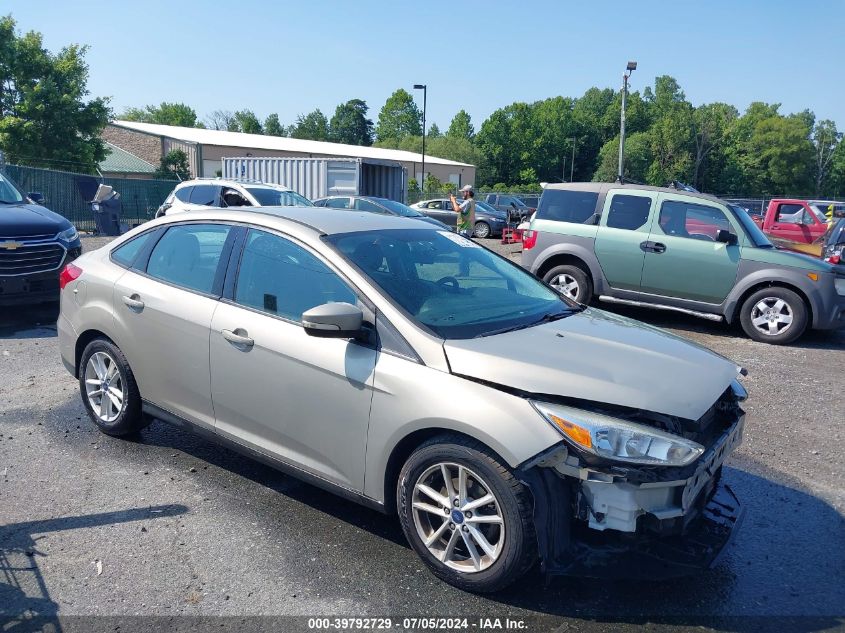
x: 449, y: 282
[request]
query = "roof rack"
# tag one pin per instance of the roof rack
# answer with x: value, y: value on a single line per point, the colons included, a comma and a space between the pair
x: 249, y: 180
x: 680, y: 186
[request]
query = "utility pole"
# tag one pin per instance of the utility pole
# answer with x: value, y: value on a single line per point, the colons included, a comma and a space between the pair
x: 632, y: 66
x: 425, y: 94
x: 572, y: 166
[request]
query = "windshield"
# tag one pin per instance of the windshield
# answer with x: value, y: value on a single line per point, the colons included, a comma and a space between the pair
x: 754, y: 233
x: 9, y: 194
x: 269, y: 197
x: 399, y: 209
x: 449, y: 284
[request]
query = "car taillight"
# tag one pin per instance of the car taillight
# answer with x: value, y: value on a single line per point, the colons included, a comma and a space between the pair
x: 834, y: 259
x: 529, y: 239
x: 68, y: 274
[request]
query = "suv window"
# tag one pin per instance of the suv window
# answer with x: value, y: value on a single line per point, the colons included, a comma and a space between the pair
x: 282, y: 278
x: 233, y: 198
x: 205, y: 195
x: 338, y: 203
x: 188, y: 255
x: 684, y: 219
x: 567, y: 206
x: 184, y: 194
x: 126, y: 253
x: 628, y: 212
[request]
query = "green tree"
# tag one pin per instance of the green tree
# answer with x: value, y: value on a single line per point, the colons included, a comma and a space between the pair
x: 434, y: 131
x: 313, y: 126
x: 273, y: 127
x: 247, y: 122
x: 400, y: 117
x: 165, y: 114
x: 461, y: 126
x: 174, y: 166
x: 711, y: 127
x: 222, y: 120
x: 826, y: 140
x: 45, y: 115
x: 638, y: 158
x: 350, y: 124
x: 780, y: 155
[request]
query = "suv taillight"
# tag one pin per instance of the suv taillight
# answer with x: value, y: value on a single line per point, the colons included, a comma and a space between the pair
x: 68, y: 274
x: 529, y: 239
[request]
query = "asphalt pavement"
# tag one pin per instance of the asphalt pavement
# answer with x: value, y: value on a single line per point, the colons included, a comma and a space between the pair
x: 168, y: 525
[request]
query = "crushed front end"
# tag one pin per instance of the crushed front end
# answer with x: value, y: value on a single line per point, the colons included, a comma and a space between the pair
x: 610, y: 517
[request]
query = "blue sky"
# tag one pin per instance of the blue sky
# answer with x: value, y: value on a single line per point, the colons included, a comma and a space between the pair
x: 292, y: 57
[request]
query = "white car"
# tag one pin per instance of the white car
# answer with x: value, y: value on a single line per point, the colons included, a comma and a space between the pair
x: 206, y: 193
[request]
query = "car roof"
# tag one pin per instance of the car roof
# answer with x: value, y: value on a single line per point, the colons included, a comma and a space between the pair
x: 323, y: 220
x: 604, y: 186
x: 232, y: 182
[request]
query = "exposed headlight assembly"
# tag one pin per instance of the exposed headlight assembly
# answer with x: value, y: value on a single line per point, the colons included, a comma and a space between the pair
x: 69, y: 235
x: 619, y: 440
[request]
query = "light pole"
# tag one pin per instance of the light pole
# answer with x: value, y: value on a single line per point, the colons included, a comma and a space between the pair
x: 631, y: 67
x: 425, y: 94
x: 572, y: 166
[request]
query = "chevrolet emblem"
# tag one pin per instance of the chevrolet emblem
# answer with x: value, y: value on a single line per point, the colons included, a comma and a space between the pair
x: 10, y: 245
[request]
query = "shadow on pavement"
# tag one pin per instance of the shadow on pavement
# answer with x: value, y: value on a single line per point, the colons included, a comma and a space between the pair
x: 22, y: 322
x: 24, y: 597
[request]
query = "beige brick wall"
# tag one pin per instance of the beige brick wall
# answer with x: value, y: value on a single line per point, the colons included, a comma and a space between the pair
x: 144, y: 146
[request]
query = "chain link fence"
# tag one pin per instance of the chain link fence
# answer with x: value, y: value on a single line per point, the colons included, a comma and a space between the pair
x: 70, y: 194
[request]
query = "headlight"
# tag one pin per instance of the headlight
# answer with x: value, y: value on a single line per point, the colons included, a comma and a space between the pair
x: 69, y: 235
x: 839, y: 284
x: 617, y: 439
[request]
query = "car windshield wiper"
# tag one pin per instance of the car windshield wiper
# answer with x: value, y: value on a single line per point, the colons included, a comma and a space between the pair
x: 546, y: 318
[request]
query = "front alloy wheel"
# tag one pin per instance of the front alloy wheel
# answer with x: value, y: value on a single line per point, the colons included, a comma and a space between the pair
x: 457, y: 516
x: 774, y: 315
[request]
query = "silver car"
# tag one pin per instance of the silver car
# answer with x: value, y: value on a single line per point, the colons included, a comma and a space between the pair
x: 414, y: 371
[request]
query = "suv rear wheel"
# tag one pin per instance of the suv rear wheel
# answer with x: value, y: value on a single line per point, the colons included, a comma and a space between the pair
x: 572, y: 282
x: 466, y: 515
x: 774, y: 315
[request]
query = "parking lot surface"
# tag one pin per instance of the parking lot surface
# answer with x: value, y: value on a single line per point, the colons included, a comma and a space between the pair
x: 168, y: 524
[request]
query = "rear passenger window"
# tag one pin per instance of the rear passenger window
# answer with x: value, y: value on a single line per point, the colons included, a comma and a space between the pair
x: 567, y: 206
x: 188, y: 255
x: 126, y: 253
x: 628, y: 212
x: 282, y: 278
x: 205, y: 195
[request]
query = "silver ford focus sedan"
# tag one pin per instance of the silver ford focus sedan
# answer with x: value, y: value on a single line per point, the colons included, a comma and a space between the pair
x: 411, y: 370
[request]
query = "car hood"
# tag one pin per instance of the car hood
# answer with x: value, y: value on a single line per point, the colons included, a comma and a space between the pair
x: 601, y: 357
x: 24, y: 220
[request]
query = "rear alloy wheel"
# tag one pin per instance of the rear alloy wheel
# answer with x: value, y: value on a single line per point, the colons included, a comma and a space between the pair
x: 774, y: 315
x: 572, y: 282
x: 466, y: 515
x: 482, y: 230
x: 108, y: 389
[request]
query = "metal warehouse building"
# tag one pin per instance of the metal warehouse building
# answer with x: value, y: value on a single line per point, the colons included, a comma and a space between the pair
x: 207, y: 148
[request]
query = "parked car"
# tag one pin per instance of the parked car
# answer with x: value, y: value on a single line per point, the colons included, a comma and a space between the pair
x: 792, y: 220
x: 531, y: 201
x: 206, y: 193
x: 377, y: 205
x: 488, y: 222
x: 510, y: 204
x: 34, y: 245
x: 413, y: 371
x: 676, y: 250
x: 834, y: 245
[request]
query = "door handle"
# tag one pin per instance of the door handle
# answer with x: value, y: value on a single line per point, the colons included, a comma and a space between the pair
x: 658, y: 247
x: 238, y: 337
x: 134, y: 302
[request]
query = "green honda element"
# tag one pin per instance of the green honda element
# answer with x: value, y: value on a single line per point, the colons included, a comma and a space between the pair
x: 677, y: 250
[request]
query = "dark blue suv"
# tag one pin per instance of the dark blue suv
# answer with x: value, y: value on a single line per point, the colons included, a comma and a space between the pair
x: 35, y: 244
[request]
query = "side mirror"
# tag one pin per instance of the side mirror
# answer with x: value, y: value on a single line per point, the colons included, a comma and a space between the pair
x: 333, y: 320
x: 726, y: 237
x: 36, y: 197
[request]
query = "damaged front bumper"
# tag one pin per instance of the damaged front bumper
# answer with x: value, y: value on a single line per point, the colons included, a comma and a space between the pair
x: 612, y: 523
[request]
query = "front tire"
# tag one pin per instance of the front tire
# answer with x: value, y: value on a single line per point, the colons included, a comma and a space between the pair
x: 466, y: 515
x: 108, y: 389
x: 571, y: 281
x: 482, y: 230
x: 774, y: 315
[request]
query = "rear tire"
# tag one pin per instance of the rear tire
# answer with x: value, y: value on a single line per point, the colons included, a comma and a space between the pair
x: 481, y: 552
x: 774, y: 315
x: 108, y: 389
x: 571, y: 281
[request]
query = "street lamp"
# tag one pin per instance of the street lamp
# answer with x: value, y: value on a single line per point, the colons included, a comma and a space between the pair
x: 572, y: 166
x: 425, y: 93
x: 631, y: 67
